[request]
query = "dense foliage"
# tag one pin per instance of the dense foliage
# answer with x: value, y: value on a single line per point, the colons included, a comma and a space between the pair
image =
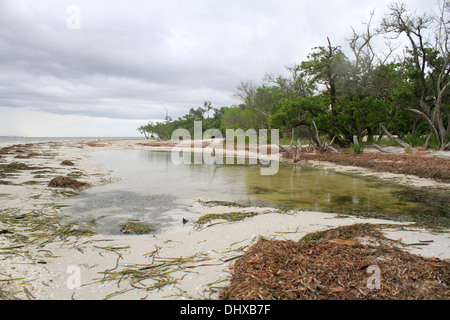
x: 349, y: 96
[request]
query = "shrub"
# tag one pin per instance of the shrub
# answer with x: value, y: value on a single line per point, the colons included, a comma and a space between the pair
x: 357, y: 148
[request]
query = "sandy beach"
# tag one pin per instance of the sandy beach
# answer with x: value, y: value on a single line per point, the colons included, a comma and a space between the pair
x: 40, y: 258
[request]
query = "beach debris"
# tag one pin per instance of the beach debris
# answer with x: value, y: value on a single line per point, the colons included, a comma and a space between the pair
x: 20, y: 166
x: 331, y: 265
x: 97, y: 143
x: 18, y: 148
x: 229, y: 216
x: 185, y: 221
x: 162, y: 272
x: 67, y: 163
x: 6, y: 231
x: 28, y: 156
x: 219, y: 203
x: 418, y: 164
x: 135, y: 228
x: 66, y: 182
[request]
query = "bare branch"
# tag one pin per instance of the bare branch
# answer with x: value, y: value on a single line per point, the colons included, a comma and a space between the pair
x: 245, y: 92
x: 397, y: 140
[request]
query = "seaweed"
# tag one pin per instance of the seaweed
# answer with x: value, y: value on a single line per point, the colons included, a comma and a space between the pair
x: 67, y: 163
x: 66, y: 182
x: 333, y: 265
x: 136, y: 228
x: 229, y: 216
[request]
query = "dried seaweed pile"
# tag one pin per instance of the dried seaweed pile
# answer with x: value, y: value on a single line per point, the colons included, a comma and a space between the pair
x: 419, y: 164
x: 334, y: 265
x: 67, y: 163
x: 66, y: 182
x: 20, y: 166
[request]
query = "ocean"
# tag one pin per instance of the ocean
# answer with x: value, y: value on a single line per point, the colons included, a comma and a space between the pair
x: 11, y: 140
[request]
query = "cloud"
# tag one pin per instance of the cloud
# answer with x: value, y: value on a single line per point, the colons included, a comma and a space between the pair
x: 34, y: 123
x: 129, y: 59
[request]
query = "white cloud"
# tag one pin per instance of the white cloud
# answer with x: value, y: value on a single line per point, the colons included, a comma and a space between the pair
x: 32, y: 123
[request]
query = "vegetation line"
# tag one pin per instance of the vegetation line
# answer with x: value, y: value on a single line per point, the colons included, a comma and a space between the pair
x: 348, y: 93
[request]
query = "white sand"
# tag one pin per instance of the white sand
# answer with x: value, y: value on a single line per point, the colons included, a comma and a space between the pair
x: 44, y: 270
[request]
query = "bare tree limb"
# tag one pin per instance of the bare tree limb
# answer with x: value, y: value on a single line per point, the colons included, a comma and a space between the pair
x: 379, y: 148
x: 397, y: 140
x: 282, y: 148
x: 317, y: 134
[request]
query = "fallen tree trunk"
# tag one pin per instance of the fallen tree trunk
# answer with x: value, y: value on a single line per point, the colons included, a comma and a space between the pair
x: 397, y: 140
x: 284, y: 149
x: 330, y: 147
x: 379, y: 148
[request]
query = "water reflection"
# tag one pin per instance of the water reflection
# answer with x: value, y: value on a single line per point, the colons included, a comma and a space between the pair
x: 157, y: 190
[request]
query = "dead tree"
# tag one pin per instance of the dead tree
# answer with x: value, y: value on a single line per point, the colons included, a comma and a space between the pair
x: 432, y: 93
x: 397, y: 140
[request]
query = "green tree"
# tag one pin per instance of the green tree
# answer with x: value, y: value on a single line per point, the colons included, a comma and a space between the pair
x: 350, y: 109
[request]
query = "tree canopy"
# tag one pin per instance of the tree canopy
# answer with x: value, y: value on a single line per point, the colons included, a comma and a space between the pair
x: 343, y: 96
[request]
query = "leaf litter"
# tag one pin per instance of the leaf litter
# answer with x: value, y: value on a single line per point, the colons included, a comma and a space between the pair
x: 334, y: 265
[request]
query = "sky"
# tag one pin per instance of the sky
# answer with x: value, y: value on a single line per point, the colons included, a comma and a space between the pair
x: 105, y: 67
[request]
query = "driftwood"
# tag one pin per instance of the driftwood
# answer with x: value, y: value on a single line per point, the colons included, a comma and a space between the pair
x: 330, y: 147
x: 379, y: 148
x: 282, y: 148
x: 324, y: 146
x: 393, y: 138
x: 294, y: 151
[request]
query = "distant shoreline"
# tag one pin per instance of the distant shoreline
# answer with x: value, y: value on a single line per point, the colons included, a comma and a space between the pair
x: 11, y: 140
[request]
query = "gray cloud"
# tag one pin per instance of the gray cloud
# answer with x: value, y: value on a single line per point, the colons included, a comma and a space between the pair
x: 130, y: 58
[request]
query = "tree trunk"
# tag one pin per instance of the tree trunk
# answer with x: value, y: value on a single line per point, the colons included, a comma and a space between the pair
x: 444, y: 144
x: 379, y: 148
x: 317, y: 135
x: 299, y: 148
x: 292, y: 142
x: 427, y: 143
x: 355, y: 140
x: 397, y: 140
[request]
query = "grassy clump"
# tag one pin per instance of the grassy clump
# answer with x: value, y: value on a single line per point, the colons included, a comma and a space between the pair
x: 357, y: 148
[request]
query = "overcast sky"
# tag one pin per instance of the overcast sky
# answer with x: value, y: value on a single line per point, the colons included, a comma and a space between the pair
x: 102, y: 68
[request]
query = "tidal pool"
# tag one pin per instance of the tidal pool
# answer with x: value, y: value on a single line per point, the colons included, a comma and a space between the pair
x: 158, y: 192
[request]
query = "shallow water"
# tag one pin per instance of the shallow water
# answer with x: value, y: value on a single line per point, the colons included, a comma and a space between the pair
x: 156, y: 191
